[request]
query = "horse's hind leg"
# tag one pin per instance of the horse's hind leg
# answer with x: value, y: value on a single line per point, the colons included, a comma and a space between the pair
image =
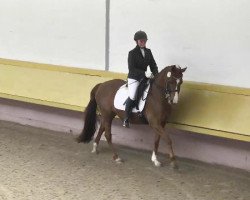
x: 155, y: 151
x: 98, y: 137
x: 170, y: 150
x: 108, y: 136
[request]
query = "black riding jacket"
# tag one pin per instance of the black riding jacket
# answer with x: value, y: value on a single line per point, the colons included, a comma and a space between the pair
x: 137, y: 64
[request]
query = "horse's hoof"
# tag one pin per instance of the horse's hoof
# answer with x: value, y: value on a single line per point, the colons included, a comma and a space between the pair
x: 95, y: 151
x: 118, y: 160
x: 157, y: 163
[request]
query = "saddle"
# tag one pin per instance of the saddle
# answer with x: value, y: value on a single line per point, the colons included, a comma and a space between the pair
x: 141, y: 95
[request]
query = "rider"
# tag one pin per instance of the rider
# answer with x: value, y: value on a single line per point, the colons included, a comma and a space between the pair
x: 139, y: 59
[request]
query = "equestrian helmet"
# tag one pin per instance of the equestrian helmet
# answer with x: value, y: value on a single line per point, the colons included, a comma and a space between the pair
x: 140, y: 35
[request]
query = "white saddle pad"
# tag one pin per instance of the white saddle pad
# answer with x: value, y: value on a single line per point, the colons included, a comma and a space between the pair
x: 122, y: 95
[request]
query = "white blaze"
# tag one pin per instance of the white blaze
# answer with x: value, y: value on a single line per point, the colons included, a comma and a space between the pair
x: 176, y: 95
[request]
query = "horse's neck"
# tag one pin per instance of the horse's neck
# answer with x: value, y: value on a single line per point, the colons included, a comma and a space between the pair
x: 160, y: 80
x: 158, y: 89
x: 157, y: 103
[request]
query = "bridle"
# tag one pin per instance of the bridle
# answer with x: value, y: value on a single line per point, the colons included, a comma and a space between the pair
x: 168, y: 91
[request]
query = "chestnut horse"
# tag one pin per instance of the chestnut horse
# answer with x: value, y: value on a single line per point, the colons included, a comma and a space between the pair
x: 164, y: 92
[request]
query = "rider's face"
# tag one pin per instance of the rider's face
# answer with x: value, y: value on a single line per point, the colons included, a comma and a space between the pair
x: 141, y: 43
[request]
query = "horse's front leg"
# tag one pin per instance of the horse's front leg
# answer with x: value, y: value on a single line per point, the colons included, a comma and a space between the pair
x: 155, y: 151
x: 161, y: 132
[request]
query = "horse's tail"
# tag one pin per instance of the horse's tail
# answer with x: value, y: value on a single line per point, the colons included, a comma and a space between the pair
x: 90, y: 118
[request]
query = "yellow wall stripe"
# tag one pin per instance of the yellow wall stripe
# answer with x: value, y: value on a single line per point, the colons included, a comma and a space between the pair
x: 210, y: 109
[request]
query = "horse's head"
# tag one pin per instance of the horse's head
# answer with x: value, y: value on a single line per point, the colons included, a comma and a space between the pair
x: 172, y: 79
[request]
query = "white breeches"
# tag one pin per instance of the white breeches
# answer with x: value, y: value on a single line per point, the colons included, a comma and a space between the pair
x: 132, y: 88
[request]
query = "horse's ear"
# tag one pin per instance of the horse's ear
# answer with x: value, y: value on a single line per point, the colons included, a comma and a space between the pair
x: 173, y: 68
x: 184, y: 69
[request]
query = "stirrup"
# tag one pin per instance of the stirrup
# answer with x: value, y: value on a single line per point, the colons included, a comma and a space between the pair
x: 126, y: 123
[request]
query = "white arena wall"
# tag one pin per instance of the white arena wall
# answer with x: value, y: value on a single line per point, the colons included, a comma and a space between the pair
x: 211, y: 37
x: 61, y: 32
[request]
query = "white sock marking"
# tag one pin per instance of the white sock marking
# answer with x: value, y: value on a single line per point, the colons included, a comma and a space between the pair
x: 94, y: 148
x: 155, y: 160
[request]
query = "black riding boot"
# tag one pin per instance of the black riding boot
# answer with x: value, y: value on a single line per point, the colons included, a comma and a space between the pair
x: 128, y: 110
